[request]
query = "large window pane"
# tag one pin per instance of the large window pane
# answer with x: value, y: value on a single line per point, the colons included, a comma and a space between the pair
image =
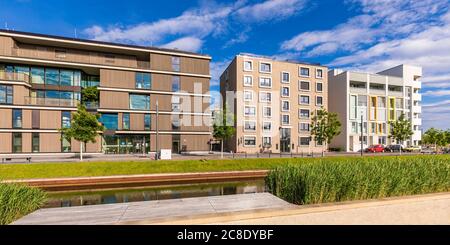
x: 52, y: 94
x: 17, y: 142
x: 17, y: 118
x: 143, y: 80
x: 65, y: 119
x: 147, y: 121
x: 37, y: 75
x: 109, y: 121
x: 176, y: 63
x: 66, y: 78
x: 35, y: 142
x: 126, y: 121
x: 175, y: 83
x: 65, y: 145
x: 6, y: 94
x: 52, y: 76
x: 139, y: 102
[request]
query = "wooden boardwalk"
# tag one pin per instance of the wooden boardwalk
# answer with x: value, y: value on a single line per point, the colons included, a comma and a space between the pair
x: 154, y: 211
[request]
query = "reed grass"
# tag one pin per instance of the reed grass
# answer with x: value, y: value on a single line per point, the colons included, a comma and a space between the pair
x: 340, y: 179
x: 17, y: 200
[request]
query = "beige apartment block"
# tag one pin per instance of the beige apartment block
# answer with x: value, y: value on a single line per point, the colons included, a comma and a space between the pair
x: 273, y: 102
x: 42, y: 78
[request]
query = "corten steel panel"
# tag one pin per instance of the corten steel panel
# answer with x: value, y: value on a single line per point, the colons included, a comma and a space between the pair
x: 162, y: 82
x: 117, y: 79
x: 194, y: 65
x: 26, y: 142
x: 194, y: 84
x: 114, y: 100
x: 164, y: 142
x: 161, y: 62
x: 20, y: 92
x: 5, y: 142
x: 27, y: 119
x: 50, y: 142
x: 196, y: 142
x: 5, y: 118
x: 50, y: 119
x: 136, y: 121
x: 90, y: 147
x: 35, y: 119
x: 164, y: 102
x: 164, y: 122
x: 6, y: 45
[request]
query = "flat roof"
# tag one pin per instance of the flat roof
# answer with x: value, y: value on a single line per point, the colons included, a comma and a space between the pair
x: 94, y: 42
x: 287, y: 61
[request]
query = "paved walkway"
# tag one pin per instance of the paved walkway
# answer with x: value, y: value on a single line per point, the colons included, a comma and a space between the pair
x: 153, y: 211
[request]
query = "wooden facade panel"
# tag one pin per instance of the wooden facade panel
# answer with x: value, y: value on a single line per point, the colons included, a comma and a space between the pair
x: 194, y: 65
x: 195, y: 85
x: 6, y: 45
x: 164, y: 102
x: 195, y: 123
x: 161, y: 82
x: 117, y: 79
x: 195, y: 142
x: 161, y: 62
x: 50, y: 142
x: 164, y: 122
x: 5, y: 142
x: 20, y: 92
x: 27, y: 119
x: 136, y: 121
x: 164, y: 142
x: 114, y: 100
x: 50, y: 119
x: 26, y: 142
x: 6, y: 118
x: 90, y: 147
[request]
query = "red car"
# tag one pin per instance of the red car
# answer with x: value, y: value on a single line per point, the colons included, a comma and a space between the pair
x: 375, y: 148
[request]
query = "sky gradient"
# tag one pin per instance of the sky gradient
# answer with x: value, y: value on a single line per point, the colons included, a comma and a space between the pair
x: 361, y: 35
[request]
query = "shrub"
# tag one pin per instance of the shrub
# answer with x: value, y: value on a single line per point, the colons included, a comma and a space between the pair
x: 17, y: 200
x: 344, y: 179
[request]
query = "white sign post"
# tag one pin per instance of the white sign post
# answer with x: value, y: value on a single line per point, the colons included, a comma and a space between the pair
x: 166, y: 154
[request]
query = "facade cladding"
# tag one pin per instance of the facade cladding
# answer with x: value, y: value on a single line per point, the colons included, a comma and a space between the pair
x: 42, y: 79
x: 273, y: 103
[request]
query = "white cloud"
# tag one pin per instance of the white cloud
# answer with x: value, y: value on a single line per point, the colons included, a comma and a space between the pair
x: 217, y: 68
x: 270, y: 10
x: 437, y: 93
x: 191, y: 44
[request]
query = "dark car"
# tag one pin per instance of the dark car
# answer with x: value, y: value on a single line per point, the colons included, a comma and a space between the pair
x: 394, y: 148
x: 375, y: 148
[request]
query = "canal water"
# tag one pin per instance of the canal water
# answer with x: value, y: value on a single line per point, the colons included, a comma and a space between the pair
x: 96, y: 197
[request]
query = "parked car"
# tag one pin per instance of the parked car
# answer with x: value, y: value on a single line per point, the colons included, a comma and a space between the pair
x: 375, y: 148
x: 394, y: 148
x: 428, y: 150
x: 414, y: 149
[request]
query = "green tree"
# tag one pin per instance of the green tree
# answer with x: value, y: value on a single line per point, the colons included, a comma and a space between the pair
x: 326, y: 126
x: 84, y: 127
x: 89, y: 94
x: 401, y: 130
x: 436, y: 137
x: 223, y: 127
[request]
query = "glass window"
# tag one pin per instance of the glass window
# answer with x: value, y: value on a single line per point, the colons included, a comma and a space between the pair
x: 319, y: 100
x: 248, y: 65
x: 304, y: 71
x: 304, y: 127
x: 176, y: 103
x: 175, y: 84
x: 285, y: 77
x: 126, y: 121
x: 65, y: 145
x: 176, y: 122
x: 249, y: 126
x: 353, y: 108
x: 17, y: 118
x: 304, y: 113
x: 76, y: 78
x: 143, y: 80
x: 267, y: 111
x: 139, y: 102
x: 304, y: 99
x: 319, y: 73
x: 6, y: 94
x: 304, y: 141
x: 248, y: 81
x: 65, y: 119
x: 66, y: 78
x: 35, y: 142
x: 66, y: 95
x: 52, y: 76
x: 362, y: 100
x: 37, y: 75
x: 284, y: 105
x: 109, y: 120
x: 17, y: 142
x: 319, y: 87
x: 285, y: 91
x: 285, y: 119
x: 267, y: 126
x: 304, y: 85
x: 267, y: 141
x: 249, y: 111
x: 175, y: 63
x: 250, y: 141
x: 265, y: 96
x: 265, y: 82
x: 265, y: 67
x: 248, y: 95
x: 147, y: 121
x: 22, y: 70
x: 52, y: 94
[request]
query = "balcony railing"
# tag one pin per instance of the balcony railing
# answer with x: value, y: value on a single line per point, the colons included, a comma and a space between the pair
x: 91, y: 105
x: 51, y: 102
x: 14, y: 76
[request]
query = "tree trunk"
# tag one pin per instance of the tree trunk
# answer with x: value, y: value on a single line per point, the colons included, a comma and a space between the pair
x: 81, y: 151
x: 221, y: 148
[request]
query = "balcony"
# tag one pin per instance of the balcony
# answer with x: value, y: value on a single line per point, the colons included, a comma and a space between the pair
x: 14, y: 77
x: 91, y: 105
x: 417, y: 96
x: 51, y: 102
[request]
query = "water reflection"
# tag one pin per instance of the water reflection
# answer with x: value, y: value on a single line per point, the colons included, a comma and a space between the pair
x: 69, y: 199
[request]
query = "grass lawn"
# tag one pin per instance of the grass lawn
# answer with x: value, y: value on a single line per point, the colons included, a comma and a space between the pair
x: 55, y: 170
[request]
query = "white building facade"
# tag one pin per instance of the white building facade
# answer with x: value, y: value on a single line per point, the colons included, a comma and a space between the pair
x: 367, y: 102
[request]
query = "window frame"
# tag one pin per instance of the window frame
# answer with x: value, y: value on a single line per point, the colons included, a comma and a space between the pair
x: 249, y: 106
x: 266, y: 63
x: 300, y: 86
x: 300, y: 114
x: 282, y: 106
x: 317, y: 100
x: 317, y: 73
x: 265, y: 130
x: 264, y: 114
x: 265, y: 101
x: 282, y: 77
x: 265, y: 77
x: 317, y: 90
x: 251, y: 62
x: 282, y: 120
x: 300, y: 141
x: 300, y: 71
x: 288, y: 89
x: 251, y: 97
x: 251, y: 79
x: 300, y: 101
x: 143, y: 95
x: 250, y: 130
x: 249, y: 136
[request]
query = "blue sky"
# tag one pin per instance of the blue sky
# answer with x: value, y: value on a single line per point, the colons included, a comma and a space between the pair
x: 366, y: 35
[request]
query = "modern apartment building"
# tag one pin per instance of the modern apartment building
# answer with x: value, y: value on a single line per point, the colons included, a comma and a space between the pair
x: 42, y: 79
x: 377, y: 98
x: 273, y: 102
